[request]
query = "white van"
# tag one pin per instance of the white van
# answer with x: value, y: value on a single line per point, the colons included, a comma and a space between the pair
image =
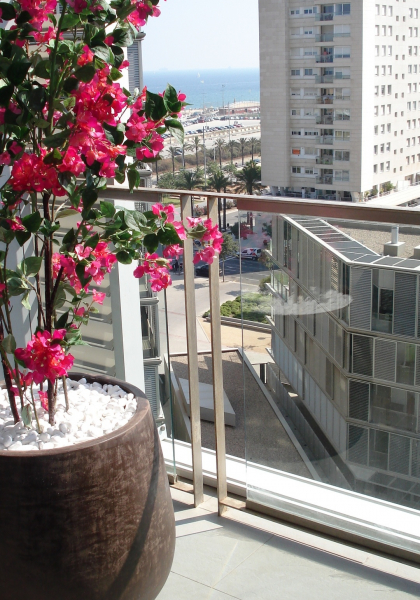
x: 250, y: 253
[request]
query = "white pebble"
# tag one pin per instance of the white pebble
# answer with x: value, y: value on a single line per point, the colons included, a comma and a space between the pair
x: 30, y: 437
x: 45, y: 437
x: 15, y: 446
x: 7, y: 441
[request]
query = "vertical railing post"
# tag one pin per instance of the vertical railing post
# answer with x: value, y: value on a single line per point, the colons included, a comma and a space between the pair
x: 216, y: 353
x: 191, y: 324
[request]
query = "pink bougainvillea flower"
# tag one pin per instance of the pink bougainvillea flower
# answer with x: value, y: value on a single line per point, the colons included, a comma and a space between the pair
x: 86, y: 57
x: 179, y: 228
x: 45, y: 356
x: 79, y: 312
x: 98, y: 297
x: 72, y: 162
x: 43, y: 396
x: 173, y: 251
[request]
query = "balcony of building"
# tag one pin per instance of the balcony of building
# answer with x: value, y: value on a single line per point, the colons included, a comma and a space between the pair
x: 325, y: 140
x: 265, y: 409
x: 326, y: 118
x: 325, y: 158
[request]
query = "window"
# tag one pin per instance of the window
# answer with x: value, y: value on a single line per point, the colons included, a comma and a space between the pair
x: 383, y: 128
x: 342, y: 52
x: 384, y: 30
x: 342, y: 135
x: 383, y: 88
x: 382, y: 298
x: 388, y: 109
x: 376, y: 50
x: 295, y: 13
x: 389, y: 11
x: 382, y: 148
x: 375, y: 130
x: 381, y: 167
x: 393, y: 407
x: 296, y: 169
x: 377, y: 9
x: 389, y: 30
x: 375, y: 168
x: 376, y: 90
x: 294, y: 112
x: 389, y: 69
x: 384, y: 10
x: 375, y: 149
x: 388, y: 147
x: 389, y: 90
x: 342, y: 155
x: 295, y: 72
x: 376, y: 29
x: 406, y: 358
x: 387, y: 166
x: 296, y: 132
x: 383, y: 69
x: 376, y: 70
x: 342, y: 175
x: 388, y: 127
x: 342, y: 9
x: 389, y: 50
x: 383, y: 50
x: 382, y: 109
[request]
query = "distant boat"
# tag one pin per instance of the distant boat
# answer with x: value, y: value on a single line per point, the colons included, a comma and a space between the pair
x: 198, y: 75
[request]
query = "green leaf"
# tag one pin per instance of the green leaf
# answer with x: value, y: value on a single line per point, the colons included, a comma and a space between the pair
x: 115, y: 74
x: 22, y: 237
x: 5, y: 94
x: 16, y: 286
x: 85, y: 73
x: 66, y: 212
x: 25, y: 301
x: 31, y: 265
x: 53, y: 157
x: 61, y: 323
x: 24, y: 17
x: 6, y: 235
x: 70, y: 237
x: 27, y: 415
x: 155, y: 106
x: 123, y: 257
x: 104, y: 53
x: 60, y: 297
x: 176, y: 129
x: 151, y: 242
x: 70, y: 84
x: 80, y: 271
x: 32, y: 222
x: 9, y: 344
x: 93, y: 241
x: 17, y: 71
x: 107, y: 209
x: 37, y: 98
x: 89, y: 196
x: 69, y: 21
x: 57, y: 139
x: 43, y: 69
x: 8, y: 13
x: 133, y: 178
x: 122, y: 37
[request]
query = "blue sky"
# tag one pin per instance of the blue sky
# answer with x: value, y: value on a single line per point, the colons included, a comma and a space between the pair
x: 197, y: 34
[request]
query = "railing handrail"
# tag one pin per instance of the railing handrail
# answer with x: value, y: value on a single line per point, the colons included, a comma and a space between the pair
x: 357, y: 211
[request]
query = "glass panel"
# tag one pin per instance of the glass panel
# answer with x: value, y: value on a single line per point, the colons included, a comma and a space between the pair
x: 340, y: 407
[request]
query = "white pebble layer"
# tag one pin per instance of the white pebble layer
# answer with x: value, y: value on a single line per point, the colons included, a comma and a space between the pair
x: 95, y: 410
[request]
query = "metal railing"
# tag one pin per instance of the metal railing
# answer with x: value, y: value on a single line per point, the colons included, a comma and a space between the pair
x: 325, y: 120
x: 325, y: 140
x: 246, y: 203
x: 329, y: 37
x: 327, y: 58
x: 324, y: 160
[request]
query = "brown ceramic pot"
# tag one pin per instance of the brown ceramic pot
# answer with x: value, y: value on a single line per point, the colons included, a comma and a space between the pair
x: 88, y: 522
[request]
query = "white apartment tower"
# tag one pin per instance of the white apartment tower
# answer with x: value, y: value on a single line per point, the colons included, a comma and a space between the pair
x: 340, y: 98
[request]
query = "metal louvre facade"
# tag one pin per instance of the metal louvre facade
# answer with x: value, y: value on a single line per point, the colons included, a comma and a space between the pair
x: 350, y: 349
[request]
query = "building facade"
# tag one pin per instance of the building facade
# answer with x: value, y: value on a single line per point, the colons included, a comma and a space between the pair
x: 346, y: 335
x: 340, y: 97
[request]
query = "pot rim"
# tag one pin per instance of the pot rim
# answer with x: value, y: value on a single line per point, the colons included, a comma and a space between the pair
x: 141, y: 411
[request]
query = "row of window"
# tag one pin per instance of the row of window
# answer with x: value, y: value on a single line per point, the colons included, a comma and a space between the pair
x: 382, y: 148
x: 342, y: 114
x: 332, y: 9
x: 382, y: 128
x: 412, y: 141
x: 326, y: 53
x: 381, y: 110
x: 383, y: 89
x: 413, y: 105
x: 383, y: 10
x: 330, y: 155
x: 383, y: 30
x: 338, y: 134
x: 383, y: 50
x: 382, y: 167
x: 337, y: 175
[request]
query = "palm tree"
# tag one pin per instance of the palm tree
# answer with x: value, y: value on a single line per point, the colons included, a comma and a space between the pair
x: 157, y: 172
x: 172, y: 151
x: 220, y: 145
x: 218, y: 182
x: 232, y: 147
x: 191, y: 180
x: 243, y: 144
x: 196, y: 143
x: 249, y: 178
x: 254, y: 143
x: 186, y: 147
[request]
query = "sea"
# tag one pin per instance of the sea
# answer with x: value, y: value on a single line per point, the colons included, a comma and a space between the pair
x: 216, y: 88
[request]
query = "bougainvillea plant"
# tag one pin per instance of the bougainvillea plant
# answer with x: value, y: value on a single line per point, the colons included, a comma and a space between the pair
x: 66, y: 125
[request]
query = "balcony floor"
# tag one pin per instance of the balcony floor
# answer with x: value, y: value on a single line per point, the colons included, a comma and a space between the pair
x: 246, y: 557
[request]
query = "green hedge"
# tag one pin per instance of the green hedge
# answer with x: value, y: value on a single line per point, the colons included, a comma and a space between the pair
x: 255, y: 308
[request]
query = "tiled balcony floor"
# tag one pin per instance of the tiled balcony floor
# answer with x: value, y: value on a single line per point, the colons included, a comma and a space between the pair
x: 244, y: 557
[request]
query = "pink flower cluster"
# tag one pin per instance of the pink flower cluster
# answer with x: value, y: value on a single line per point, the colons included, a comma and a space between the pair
x: 39, y: 11
x: 30, y: 173
x: 45, y: 356
x: 156, y: 268
x: 100, y: 261
x: 144, y: 10
x: 211, y: 238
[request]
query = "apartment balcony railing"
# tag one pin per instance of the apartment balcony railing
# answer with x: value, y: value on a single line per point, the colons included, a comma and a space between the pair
x: 326, y: 179
x: 330, y: 78
x: 325, y: 120
x: 324, y: 160
x: 327, y: 58
x: 329, y: 37
x: 327, y: 140
x: 324, y: 17
x: 341, y: 178
x: 364, y: 484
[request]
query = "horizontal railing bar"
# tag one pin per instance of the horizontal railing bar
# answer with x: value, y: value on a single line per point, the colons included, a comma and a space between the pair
x: 280, y: 205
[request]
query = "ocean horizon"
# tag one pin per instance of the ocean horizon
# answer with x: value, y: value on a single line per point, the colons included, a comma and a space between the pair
x: 209, y: 87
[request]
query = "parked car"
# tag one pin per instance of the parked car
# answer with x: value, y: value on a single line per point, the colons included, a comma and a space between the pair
x: 204, y: 270
x: 250, y: 254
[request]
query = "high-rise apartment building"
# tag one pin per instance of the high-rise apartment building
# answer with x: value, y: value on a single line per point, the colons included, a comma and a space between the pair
x: 340, y: 98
